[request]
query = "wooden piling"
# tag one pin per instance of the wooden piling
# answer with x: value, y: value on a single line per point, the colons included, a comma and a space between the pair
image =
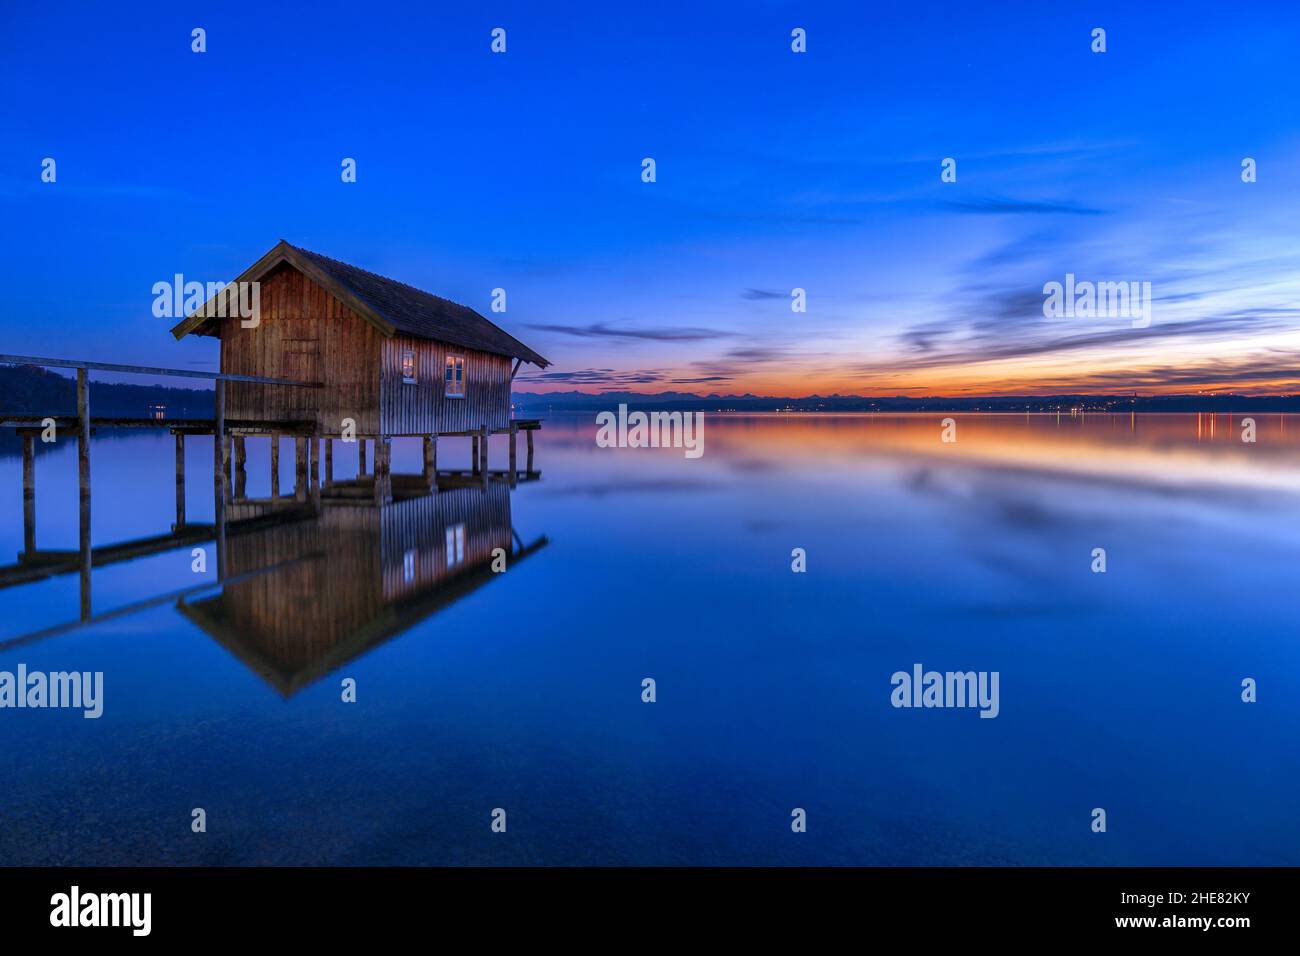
x: 483, y: 453
x: 329, y: 461
x: 219, y: 523
x: 275, y: 465
x: 383, y: 469
x: 85, y: 552
x: 529, y: 466
x: 316, y: 441
x: 473, y: 455
x: 300, y: 468
x: 361, y: 457
x: 431, y: 460
x: 83, y: 481
x: 180, y: 480
x: 241, y: 469
x: 514, y: 453
x: 29, y: 492
x: 83, y: 424
x: 220, y: 464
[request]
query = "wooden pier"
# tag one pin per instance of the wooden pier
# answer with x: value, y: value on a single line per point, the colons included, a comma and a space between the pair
x: 305, y: 588
x: 230, y: 437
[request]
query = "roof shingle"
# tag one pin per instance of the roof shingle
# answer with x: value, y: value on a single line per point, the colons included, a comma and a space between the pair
x: 392, y: 306
x: 415, y: 312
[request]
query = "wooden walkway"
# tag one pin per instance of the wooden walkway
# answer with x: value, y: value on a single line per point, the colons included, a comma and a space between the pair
x: 82, y: 426
x: 228, y: 448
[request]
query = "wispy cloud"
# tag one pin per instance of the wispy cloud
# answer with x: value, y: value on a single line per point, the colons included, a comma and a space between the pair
x: 997, y: 206
x: 936, y: 347
x: 599, y: 330
x: 596, y: 376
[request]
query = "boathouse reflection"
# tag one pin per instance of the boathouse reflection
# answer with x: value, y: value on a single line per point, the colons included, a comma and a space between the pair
x: 352, y: 576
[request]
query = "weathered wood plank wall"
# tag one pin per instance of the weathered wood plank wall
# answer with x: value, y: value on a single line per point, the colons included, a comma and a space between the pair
x: 308, y: 335
x: 423, y: 408
x: 305, y: 334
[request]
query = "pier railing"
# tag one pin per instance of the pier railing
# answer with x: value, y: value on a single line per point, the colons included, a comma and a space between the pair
x: 148, y: 370
x: 36, y: 564
x: 84, y: 423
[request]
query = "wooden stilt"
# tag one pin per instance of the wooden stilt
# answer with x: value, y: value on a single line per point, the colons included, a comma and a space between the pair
x: 315, y: 471
x: 473, y: 455
x: 221, y: 473
x: 361, y: 457
x: 275, y: 465
x: 241, y: 466
x: 300, y: 468
x: 514, y: 453
x: 29, y: 492
x: 220, y: 463
x: 83, y: 424
x: 83, y: 481
x: 329, y: 461
x: 431, y: 461
x: 383, y: 472
x: 180, y: 480
x: 85, y: 550
x: 529, y: 466
x: 483, y: 453
x: 219, y: 523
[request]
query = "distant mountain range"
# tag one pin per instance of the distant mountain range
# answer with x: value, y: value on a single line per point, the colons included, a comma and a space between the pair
x: 674, y: 401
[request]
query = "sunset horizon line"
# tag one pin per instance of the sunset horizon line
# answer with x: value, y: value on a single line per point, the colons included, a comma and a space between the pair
x: 928, y: 396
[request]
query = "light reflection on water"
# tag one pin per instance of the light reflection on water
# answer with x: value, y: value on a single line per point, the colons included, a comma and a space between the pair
x: 522, y: 690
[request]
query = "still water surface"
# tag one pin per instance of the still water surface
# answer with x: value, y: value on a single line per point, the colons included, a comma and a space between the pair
x: 522, y: 690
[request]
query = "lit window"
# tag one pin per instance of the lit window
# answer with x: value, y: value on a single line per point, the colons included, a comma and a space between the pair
x: 455, y: 545
x: 408, y: 566
x: 408, y: 367
x: 455, y: 376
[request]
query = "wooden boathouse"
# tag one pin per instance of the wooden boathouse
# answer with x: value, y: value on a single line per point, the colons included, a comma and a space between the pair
x: 393, y: 360
x: 334, y: 352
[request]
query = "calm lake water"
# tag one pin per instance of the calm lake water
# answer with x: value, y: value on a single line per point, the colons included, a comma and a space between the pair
x: 523, y: 690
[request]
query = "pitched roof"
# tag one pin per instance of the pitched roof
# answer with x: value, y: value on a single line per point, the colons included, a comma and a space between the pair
x: 392, y: 306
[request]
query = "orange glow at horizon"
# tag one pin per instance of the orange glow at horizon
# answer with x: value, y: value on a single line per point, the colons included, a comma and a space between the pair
x: 958, y: 383
x: 1260, y: 366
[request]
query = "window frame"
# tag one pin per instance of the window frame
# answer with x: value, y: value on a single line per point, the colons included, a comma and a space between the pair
x: 455, y: 536
x: 414, y: 377
x: 451, y: 364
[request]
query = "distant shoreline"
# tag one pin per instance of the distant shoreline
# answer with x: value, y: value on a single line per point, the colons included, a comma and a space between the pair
x: 25, y: 388
x: 675, y: 401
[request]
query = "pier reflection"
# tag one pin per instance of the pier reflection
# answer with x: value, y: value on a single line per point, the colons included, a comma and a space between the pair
x: 305, y: 586
x: 353, y: 576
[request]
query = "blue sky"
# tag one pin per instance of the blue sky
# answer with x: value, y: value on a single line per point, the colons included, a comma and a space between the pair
x: 775, y: 170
